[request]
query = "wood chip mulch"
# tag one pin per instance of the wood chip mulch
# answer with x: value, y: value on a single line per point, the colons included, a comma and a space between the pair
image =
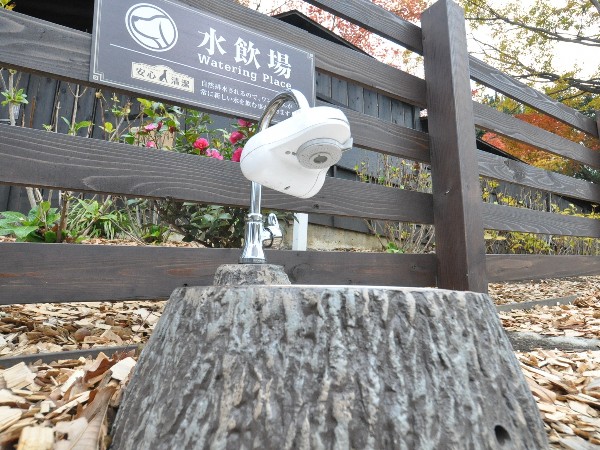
x: 62, y: 405
x: 578, y: 319
x: 46, y: 328
x: 565, y: 385
x: 523, y: 291
x: 49, y: 406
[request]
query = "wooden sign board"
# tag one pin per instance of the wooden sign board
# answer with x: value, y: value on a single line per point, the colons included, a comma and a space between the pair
x: 166, y: 49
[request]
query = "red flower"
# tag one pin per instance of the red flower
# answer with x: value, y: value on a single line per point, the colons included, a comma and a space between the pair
x: 237, y: 154
x: 244, y: 123
x: 201, y: 144
x: 236, y: 136
x: 159, y: 126
x: 214, y: 154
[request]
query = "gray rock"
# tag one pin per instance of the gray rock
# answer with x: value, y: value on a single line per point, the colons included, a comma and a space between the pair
x: 250, y: 274
x: 527, y: 341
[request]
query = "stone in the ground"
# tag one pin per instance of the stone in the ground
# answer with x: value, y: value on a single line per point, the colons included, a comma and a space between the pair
x: 529, y: 341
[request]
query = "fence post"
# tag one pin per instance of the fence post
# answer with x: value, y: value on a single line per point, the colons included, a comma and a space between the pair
x: 460, y: 246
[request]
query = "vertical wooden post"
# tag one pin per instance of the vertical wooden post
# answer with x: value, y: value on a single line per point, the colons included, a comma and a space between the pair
x: 460, y: 246
x: 300, y: 233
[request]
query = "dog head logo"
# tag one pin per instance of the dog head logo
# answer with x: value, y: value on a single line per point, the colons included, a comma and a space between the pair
x: 151, y: 27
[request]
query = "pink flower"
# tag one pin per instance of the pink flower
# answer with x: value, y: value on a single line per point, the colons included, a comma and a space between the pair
x: 236, y: 136
x: 244, y: 123
x: 150, y: 127
x: 201, y: 144
x: 211, y: 153
x: 151, y: 144
x: 237, y: 154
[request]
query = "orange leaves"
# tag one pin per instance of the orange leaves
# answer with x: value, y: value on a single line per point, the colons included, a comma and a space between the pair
x: 407, y: 9
x: 540, y: 158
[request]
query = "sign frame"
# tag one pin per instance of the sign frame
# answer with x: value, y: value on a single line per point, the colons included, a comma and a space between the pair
x: 165, y: 49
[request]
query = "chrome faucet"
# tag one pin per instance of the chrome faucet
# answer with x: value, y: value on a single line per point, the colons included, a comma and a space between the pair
x: 256, y: 235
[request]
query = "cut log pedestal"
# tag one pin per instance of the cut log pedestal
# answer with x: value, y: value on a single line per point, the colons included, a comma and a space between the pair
x: 341, y: 367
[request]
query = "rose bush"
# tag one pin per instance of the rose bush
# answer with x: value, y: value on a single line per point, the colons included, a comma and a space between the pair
x: 170, y: 128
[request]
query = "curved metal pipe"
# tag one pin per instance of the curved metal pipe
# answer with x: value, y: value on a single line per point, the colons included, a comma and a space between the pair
x: 253, y: 252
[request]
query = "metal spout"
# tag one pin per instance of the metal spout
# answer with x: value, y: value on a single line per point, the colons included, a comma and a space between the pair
x: 255, y: 233
x: 253, y: 251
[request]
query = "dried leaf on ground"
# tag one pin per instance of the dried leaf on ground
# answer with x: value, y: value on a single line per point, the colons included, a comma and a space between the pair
x: 86, y: 432
x: 69, y: 391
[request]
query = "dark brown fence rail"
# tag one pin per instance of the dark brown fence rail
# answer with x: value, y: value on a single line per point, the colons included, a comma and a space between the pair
x: 36, y: 158
x: 489, y: 119
x: 504, y: 169
x: 50, y: 160
x: 535, y: 267
x: 33, y: 273
x: 525, y: 220
x: 501, y: 82
x: 389, y: 26
x: 28, y: 272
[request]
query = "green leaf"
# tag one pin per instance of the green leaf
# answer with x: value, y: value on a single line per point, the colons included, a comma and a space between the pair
x: 83, y: 124
x: 44, y: 206
x: 52, y: 217
x: 31, y: 237
x: 393, y: 248
x: 22, y: 232
x: 13, y: 215
x: 50, y: 236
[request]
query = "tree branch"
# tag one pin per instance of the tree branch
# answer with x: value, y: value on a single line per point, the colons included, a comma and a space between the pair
x: 591, y: 85
x: 562, y: 37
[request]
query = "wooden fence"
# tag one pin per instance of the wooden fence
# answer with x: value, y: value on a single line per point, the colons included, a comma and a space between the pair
x: 51, y: 99
x: 39, y: 273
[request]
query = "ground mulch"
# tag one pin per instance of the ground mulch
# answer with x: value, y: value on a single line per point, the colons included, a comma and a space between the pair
x: 565, y: 385
x: 47, y: 406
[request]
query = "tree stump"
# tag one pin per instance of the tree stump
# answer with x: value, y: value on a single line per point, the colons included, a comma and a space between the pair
x: 282, y: 367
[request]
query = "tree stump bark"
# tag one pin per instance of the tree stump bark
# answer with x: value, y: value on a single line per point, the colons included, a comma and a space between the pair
x: 282, y: 367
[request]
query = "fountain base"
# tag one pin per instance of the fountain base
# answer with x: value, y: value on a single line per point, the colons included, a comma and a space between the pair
x: 279, y: 367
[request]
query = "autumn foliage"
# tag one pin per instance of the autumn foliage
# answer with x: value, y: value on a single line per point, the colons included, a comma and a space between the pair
x: 372, y: 44
x: 365, y: 40
x: 539, y: 158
